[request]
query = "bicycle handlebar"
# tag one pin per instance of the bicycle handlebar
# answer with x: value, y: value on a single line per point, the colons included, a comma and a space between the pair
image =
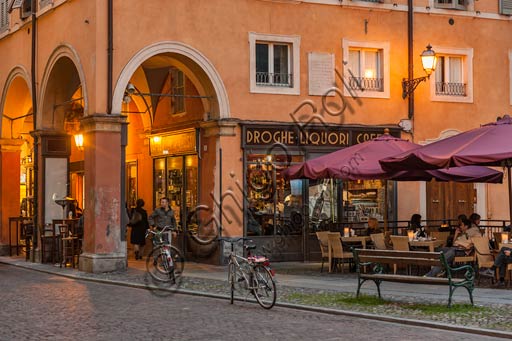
x: 167, y: 227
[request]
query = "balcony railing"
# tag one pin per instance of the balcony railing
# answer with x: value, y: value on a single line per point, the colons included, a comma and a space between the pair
x: 450, y: 89
x: 368, y: 84
x: 274, y: 79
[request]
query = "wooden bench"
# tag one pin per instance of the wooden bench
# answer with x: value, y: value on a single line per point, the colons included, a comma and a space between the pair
x: 370, y: 265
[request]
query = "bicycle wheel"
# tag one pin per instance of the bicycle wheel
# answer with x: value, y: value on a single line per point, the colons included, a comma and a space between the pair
x: 232, y: 280
x: 178, y: 262
x: 160, y: 269
x: 264, y: 287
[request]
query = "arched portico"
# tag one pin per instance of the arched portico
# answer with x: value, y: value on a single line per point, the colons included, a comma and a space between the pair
x: 15, y: 151
x: 193, y: 63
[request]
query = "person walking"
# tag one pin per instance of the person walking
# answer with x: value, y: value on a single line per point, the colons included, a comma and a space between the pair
x: 163, y: 216
x: 139, y: 224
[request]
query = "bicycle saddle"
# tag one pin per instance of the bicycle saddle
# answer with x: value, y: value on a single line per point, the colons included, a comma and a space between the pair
x: 250, y: 247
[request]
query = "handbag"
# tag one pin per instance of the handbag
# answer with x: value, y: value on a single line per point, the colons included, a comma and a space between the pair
x: 135, y: 218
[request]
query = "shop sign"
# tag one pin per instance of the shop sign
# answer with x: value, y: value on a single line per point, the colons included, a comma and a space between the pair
x: 312, y: 136
x: 183, y: 142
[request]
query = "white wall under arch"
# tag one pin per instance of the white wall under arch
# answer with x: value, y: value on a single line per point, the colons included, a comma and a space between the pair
x: 177, y: 48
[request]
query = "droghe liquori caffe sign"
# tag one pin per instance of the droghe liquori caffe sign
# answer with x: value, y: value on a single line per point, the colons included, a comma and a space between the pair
x: 292, y: 135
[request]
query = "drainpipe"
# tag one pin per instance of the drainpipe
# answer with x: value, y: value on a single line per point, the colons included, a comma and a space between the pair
x: 34, y: 119
x: 110, y: 58
x: 410, y: 23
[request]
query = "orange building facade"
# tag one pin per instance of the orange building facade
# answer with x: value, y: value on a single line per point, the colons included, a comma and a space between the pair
x: 207, y: 102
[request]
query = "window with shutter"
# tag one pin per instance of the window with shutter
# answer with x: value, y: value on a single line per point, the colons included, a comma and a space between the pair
x: 4, y: 15
x: 506, y: 7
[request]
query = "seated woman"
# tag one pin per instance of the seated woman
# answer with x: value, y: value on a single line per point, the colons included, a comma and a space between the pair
x: 415, y: 225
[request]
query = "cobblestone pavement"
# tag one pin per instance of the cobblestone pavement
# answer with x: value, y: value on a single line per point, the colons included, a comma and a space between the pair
x: 38, y: 306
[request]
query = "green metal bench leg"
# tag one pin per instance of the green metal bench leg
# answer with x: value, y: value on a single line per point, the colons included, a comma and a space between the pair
x: 470, y: 292
x: 378, y: 287
x: 359, y: 287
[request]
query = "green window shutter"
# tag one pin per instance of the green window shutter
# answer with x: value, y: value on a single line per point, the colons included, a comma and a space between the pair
x: 506, y: 7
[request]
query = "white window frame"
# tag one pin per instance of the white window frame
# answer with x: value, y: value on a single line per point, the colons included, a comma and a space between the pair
x: 385, y: 71
x: 467, y: 75
x: 294, y: 63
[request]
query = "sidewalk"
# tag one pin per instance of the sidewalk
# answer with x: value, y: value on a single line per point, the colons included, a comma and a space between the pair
x: 294, y: 275
x: 295, y: 279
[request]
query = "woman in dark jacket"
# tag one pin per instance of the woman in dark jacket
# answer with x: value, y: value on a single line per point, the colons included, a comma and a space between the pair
x: 415, y: 225
x: 139, y: 224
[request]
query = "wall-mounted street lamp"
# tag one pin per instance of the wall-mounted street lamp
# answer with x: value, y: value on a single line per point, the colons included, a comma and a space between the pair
x: 79, y: 141
x: 428, y: 59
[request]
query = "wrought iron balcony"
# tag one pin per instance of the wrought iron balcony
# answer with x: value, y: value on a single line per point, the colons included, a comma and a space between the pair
x: 274, y: 79
x: 450, y: 89
x: 368, y: 84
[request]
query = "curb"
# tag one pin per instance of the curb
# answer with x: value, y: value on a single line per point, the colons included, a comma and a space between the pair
x: 368, y: 316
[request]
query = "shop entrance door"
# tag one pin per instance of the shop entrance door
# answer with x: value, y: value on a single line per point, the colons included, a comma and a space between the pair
x: 446, y: 200
x: 175, y: 177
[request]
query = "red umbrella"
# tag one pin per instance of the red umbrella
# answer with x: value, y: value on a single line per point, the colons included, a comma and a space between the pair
x: 361, y: 162
x: 489, y: 145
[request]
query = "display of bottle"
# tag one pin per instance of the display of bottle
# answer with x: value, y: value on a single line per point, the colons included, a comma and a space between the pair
x: 319, y: 204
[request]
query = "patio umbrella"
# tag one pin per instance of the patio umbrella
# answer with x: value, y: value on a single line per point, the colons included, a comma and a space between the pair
x: 489, y: 145
x: 361, y: 162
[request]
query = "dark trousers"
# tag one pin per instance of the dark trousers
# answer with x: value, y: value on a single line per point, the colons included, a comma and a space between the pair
x: 501, y: 261
x: 449, y: 254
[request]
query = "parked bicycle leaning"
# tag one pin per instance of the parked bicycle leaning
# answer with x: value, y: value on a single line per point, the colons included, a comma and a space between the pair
x: 165, y: 263
x: 252, y: 274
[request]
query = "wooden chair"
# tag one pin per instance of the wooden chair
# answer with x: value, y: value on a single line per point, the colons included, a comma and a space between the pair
x: 400, y: 243
x: 68, y: 246
x: 441, y: 236
x: 378, y: 241
x: 336, y: 253
x: 49, y: 244
x: 484, y: 257
x: 323, y: 240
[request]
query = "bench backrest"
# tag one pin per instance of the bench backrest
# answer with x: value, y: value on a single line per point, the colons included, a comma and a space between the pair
x: 398, y: 257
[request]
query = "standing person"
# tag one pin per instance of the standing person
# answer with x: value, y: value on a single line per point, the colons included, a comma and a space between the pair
x: 163, y: 216
x: 139, y: 224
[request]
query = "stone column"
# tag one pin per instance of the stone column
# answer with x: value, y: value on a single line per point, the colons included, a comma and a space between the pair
x: 10, y: 150
x: 103, y: 247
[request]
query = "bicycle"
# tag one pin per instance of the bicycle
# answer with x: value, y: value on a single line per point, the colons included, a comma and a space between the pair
x: 252, y: 274
x: 165, y: 263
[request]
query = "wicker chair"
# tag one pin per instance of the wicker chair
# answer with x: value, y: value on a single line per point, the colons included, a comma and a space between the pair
x: 323, y: 240
x: 378, y: 241
x: 336, y: 254
x: 400, y: 243
x: 484, y: 257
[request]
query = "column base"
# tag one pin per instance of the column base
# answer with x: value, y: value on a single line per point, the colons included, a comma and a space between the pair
x: 98, y: 263
x: 4, y: 250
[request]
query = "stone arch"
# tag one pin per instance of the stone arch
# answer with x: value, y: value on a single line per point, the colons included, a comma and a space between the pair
x: 17, y: 80
x: 195, y: 65
x: 63, y: 58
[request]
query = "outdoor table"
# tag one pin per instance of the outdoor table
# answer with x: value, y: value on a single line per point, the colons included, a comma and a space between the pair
x: 357, y: 239
x: 431, y: 244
